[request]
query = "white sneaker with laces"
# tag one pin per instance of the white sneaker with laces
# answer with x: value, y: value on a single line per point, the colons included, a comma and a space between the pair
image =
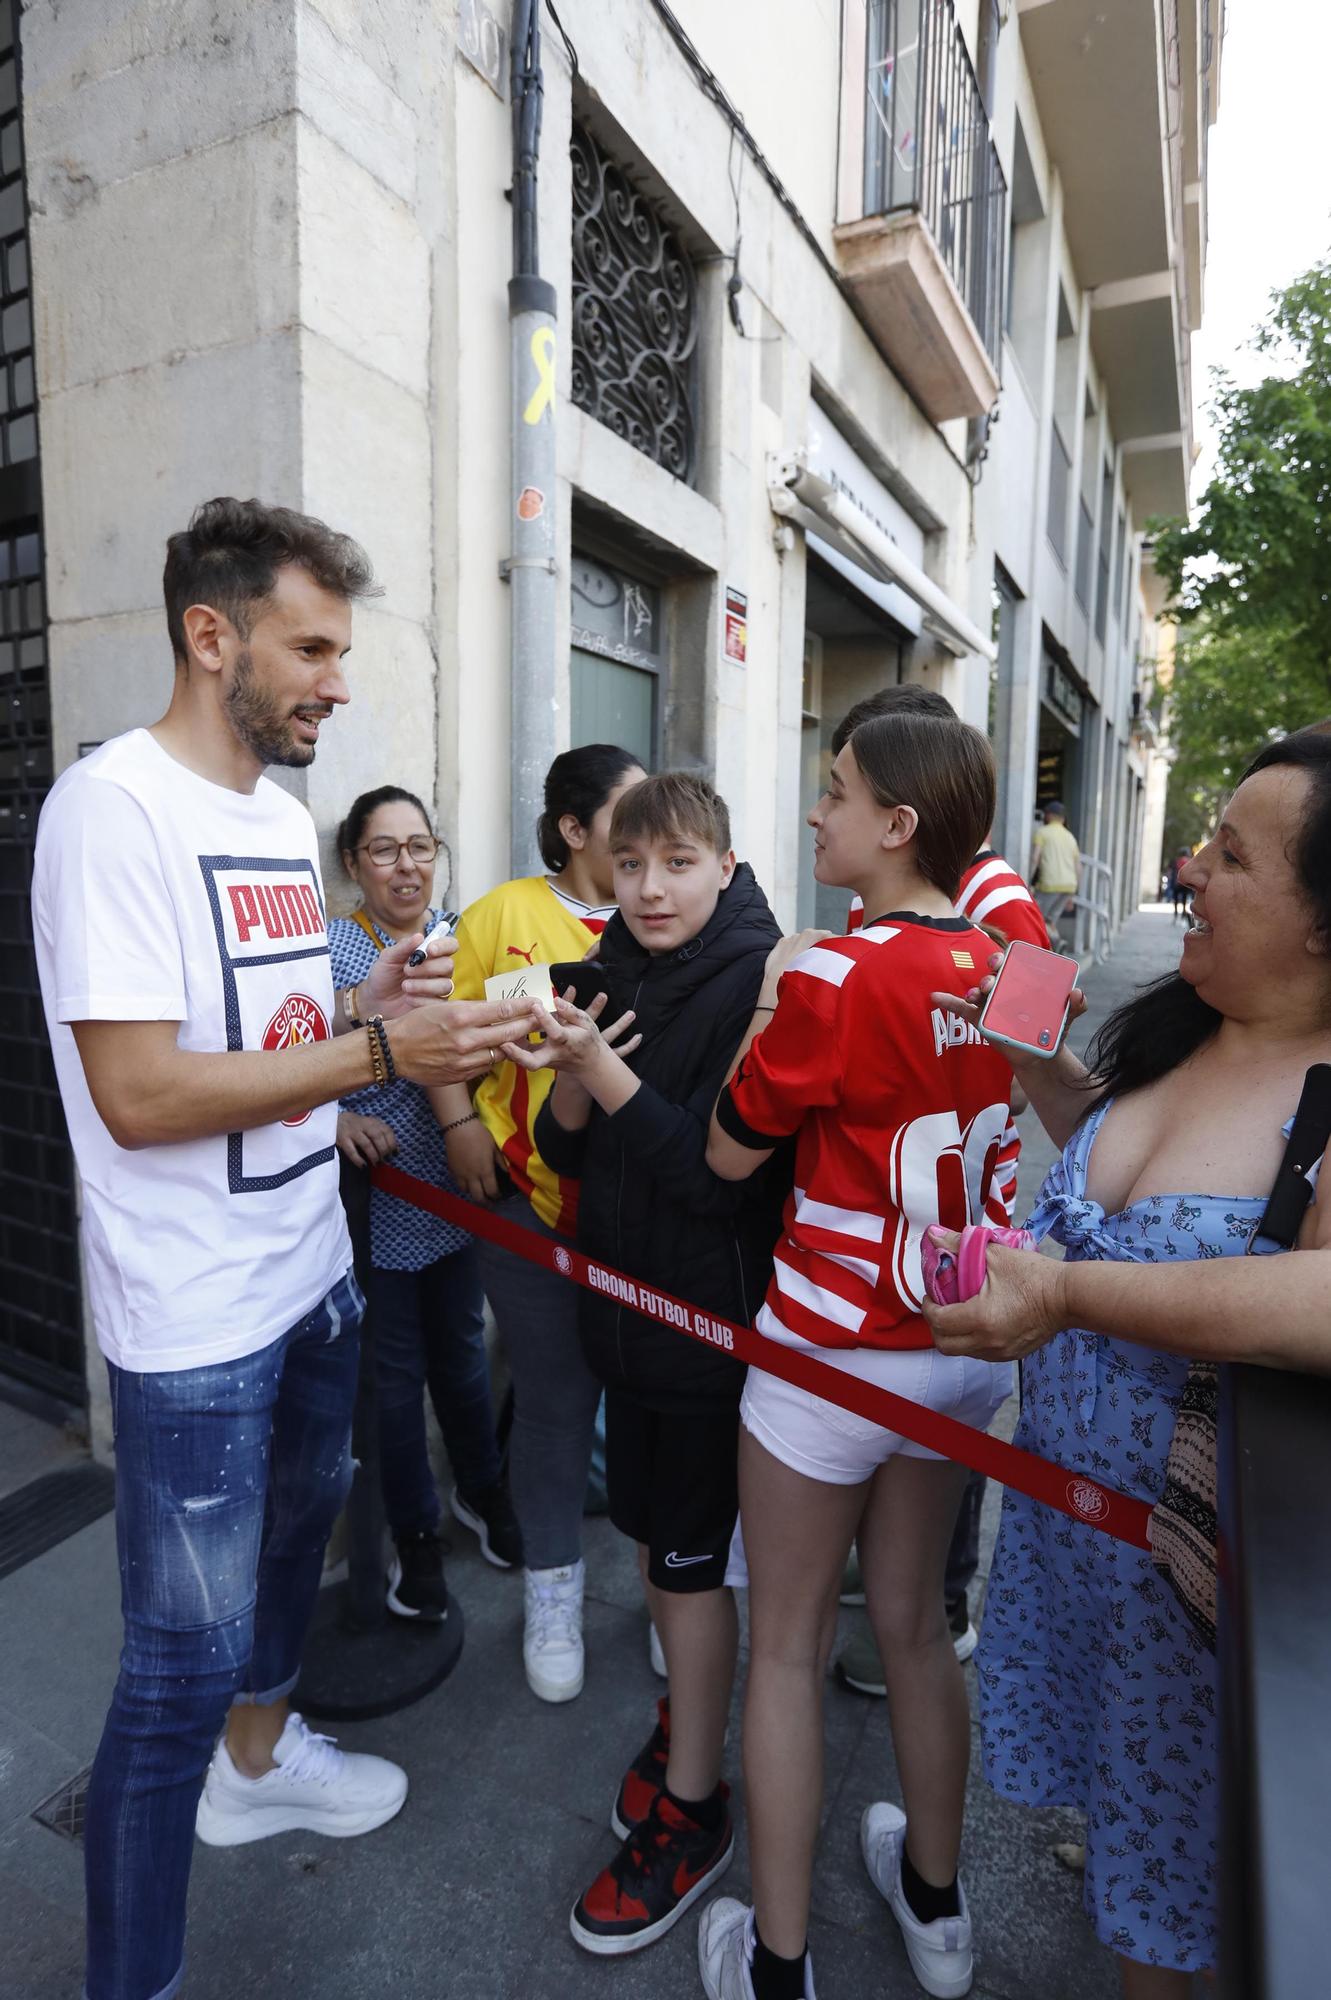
x: 315, y: 1788
x: 552, y: 1650
x: 940, y: 1953
x: 726, y: 1937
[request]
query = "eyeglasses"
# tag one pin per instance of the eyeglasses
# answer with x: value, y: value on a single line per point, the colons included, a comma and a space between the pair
x: 384, y: 853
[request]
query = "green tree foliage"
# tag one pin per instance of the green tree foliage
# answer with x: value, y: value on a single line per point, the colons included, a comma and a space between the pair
x: 1251, y: 578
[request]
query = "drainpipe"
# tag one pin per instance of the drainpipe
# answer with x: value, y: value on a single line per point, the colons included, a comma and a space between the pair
x: 530, y: 569
x: 986, y: 75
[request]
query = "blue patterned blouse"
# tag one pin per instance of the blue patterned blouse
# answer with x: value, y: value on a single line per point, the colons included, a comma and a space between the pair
x: 402, y: 1238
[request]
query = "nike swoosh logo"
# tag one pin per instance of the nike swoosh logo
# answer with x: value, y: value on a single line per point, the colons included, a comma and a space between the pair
x: 674, y: 1561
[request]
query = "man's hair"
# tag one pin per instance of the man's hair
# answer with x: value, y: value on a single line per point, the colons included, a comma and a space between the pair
x: 674, y: 805
x: 945, y: 771
x: 908, y: 699
x: 230, y: 554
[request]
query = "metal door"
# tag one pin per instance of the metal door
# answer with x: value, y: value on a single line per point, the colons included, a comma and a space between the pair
x: 41, y: 1339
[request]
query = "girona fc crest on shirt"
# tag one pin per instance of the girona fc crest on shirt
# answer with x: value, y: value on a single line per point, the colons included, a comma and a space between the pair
x: 298, y: 1023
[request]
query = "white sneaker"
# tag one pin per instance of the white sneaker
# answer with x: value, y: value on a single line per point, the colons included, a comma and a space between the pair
x: 316, y: 1788
x: 940, y: 1952
x: 552, y: 1631
x: 725, y: 1952
x: 656, y: 1653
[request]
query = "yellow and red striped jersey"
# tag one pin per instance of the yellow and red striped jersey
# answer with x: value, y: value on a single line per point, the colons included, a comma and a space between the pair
x: 528, y: 921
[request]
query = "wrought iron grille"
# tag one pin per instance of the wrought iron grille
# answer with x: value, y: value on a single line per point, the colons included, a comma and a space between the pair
x: 41, y: 1341
x: 928, y: 147
x: 635, y: 314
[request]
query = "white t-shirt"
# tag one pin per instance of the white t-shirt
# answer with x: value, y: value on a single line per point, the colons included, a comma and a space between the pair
x: 158, y: 896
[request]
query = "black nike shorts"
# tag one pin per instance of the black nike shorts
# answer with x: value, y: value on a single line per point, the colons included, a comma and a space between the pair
x: 671, y: 1480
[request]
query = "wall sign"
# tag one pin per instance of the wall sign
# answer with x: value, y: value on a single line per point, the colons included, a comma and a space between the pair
x: 835, y: 459
x: 735, y: 629
x: 485, y: 45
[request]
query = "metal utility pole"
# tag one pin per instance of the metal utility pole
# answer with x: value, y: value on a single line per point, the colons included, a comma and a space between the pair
x: 530, y: 569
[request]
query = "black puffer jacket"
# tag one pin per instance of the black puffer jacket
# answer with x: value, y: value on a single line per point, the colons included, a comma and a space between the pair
x: 649, y: 1204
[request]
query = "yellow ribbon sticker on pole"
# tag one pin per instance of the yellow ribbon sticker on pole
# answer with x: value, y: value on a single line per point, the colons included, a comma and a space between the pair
x: 543, y: 395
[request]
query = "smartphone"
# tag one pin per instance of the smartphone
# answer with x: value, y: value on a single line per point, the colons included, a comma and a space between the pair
x: 1027, y: 1007
x: 586, y: 978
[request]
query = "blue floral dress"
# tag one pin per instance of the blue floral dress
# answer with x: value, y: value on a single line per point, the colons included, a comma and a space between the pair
x: 1094, y: 1689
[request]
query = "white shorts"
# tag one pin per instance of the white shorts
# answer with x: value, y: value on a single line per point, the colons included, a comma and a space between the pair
x: 828, y: 1443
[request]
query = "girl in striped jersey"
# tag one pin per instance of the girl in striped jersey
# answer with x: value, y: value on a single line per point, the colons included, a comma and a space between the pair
x: 899, y: 1121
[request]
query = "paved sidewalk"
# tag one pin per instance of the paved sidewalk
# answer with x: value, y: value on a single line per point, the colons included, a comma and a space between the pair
x: 466, y: 1895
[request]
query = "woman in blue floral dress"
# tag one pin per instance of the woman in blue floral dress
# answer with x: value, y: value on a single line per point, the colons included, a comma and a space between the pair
x: 1095, y: 1689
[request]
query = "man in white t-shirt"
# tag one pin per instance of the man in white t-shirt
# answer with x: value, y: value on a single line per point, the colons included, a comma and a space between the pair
x: 180, y: 929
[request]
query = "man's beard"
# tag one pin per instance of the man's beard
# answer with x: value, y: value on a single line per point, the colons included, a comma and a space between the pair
x: 258, y: 722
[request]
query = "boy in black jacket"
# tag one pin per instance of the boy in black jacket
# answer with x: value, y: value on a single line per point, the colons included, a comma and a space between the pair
x: 682, y: 963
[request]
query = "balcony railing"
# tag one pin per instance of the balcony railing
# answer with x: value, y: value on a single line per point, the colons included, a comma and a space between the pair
x: 927, y: 146
x: 922, y: 202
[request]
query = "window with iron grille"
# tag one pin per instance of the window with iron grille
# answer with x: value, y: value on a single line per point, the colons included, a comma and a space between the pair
x: 41, y: 1343
x: 635, y: 314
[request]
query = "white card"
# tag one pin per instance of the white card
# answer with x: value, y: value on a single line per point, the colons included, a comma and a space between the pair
x: 528, y: 982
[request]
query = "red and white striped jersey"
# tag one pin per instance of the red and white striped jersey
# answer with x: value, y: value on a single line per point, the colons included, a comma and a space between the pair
x: 992, y: 892
x: 900, y: 1110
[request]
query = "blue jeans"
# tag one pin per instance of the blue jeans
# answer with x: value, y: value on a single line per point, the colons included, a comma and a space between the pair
x: 228, y: 1480
x: 428, y: 1329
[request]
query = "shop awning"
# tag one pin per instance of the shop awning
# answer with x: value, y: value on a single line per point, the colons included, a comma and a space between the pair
x: 821, y: 509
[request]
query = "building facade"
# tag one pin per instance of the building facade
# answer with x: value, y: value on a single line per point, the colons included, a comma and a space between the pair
x: 864, y: 359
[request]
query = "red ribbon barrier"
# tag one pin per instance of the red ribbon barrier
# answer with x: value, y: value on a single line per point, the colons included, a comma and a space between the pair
x: 1073, y: 1493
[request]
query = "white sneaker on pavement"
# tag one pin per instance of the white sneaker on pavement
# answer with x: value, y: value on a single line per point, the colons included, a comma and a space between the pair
x: 552, y: 1649
x: 940, y: 1952
x: 726, y: 1939
x: 315, y: 1788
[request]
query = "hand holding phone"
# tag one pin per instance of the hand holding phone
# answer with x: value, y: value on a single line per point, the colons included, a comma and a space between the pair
x: 1028, y: 1007
x: 585, y: 976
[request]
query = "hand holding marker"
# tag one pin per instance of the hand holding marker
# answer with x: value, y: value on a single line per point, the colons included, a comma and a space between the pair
x: 447, y: 922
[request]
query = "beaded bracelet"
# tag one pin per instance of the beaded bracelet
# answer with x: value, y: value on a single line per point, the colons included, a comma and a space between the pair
x: 381, y: 1055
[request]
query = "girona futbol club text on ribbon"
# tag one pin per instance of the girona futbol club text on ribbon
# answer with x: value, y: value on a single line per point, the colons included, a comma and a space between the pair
x: 1076, y: 1494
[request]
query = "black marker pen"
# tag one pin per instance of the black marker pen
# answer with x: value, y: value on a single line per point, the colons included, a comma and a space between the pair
x: 448, y: 922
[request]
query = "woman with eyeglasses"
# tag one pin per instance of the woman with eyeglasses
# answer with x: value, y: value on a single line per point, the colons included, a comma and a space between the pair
x: 424, y: 1290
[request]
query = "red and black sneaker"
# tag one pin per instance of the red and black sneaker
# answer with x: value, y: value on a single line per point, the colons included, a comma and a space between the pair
x: 660, y: 1871
x: 645, y: 1776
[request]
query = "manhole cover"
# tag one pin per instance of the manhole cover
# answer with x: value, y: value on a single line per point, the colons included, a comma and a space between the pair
x: 63, y: 1811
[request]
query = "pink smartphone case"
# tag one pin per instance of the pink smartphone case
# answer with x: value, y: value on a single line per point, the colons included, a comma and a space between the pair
x: 950, y: 1280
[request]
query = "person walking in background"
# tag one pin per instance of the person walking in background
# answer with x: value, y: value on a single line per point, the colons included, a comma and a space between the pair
x: 858, y: 1062
x: 424, y: 1282
x: 181, y: 945
x: 494, y: 1158
x: 1176, y: 889
x: 1055, y: 870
